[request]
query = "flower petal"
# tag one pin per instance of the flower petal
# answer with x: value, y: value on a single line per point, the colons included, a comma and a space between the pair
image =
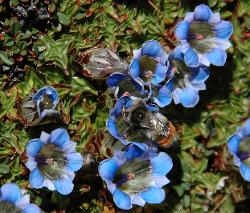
x: 31, y: 163
x: 200, y: 75
x: 215, y: 18
x: 223, y: 30
x: 69, y: 147
x: 10, y: 192
x: 134, y: 68
x: 122, y: 200
x: 23, y: 201
x: 151, y: 48
x: 159, y: 181
x: 75, y: 161
x: 202, y: 13
x: 137, y: 199
x: 114, y: 79
x: 64, y: 186
x: 45, y: 137
x: 217, y: 57
x: 153, y: 195
x: 33, y: 147
x: 182, y: 29
x: 245, y: 171
x: 112, y: 128
x: 191, y: 58
x: 160, y: 74
x: 31, y: 208
x: 59, y: 136
x: 36, y: 179
x: 107, y: 169
x: 189, y: 17
x: 188, y: 97
x: 161, y: 164
x: 233, y: 144
x: 164, y: 97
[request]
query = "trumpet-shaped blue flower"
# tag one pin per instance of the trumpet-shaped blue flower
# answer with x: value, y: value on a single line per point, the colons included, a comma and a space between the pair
x: 204, y: 37
x: 46, y: 100
x: 124, y: 84
x: 149, y: 64
x: 238, y: 145
x: 13, y: 200
x: 187, y: 81
x: 42, y: 105
x: 136, y: 177
x: 52, y: 160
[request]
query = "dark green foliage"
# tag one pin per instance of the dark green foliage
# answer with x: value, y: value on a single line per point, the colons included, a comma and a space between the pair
x: 48, y: 51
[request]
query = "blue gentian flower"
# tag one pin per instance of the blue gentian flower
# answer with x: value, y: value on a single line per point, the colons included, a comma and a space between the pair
x: 204, y: 37
x: 36, y: 108
x: 46, y: 100
x: 149, y: 64
x: 125, y: 85
x: 132, y: 121
x: 14, y: 200
x: 136, y: 177
x: 52, y: 160
x: 186, y: 82
x: 238, y: 145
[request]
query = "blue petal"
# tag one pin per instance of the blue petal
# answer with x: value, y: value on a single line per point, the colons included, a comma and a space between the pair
x: 36, y: 179
x: 217, y: 57
x: 122, y: 200
x: 75, y: 161
x: 200, y: 75
x: 161, y: 164
x: 151, y: 48
x: 177, y: 54
x: 134, y: 68
x: 33, y: 147
x: 59, y: 136
x: 223, y: 29
x: 233, y: 144
x: 160, y: 74
x: 153, y: 195
x: 112, y: 128
x: 133, y: 152
x: 202, y: 13
x: 107, y: 169
x: 10, y: 192
x: 164, y: 97
x: 188, y: 97
x: 182, y: 29
x: 191, y: 58
x: 189, y: 16
x: 31, y: 208
x: 245, y: 171
x: 64, y: 186
x: 114, y: 79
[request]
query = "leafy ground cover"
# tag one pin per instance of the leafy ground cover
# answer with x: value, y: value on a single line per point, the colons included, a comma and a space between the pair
x: 44, y: 43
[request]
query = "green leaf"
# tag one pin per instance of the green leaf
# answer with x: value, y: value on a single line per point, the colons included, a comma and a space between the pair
x: 4, y: 57
x: 80, y: 85
x: 4, y: 169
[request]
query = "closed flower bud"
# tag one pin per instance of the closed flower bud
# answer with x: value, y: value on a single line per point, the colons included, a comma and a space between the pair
x: 101, y: 62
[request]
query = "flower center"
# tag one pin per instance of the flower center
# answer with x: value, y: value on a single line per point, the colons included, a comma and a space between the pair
x: 7, y: 207
x: 51, y: 161
x: 200, y: 36
x: 46, y: 103
x: 181, y: 73
x: 133, y: 176
x: 244, y: 151
x: 147, y: 67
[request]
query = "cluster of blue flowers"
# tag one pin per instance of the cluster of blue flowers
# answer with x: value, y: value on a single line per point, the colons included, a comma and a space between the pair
x: 136, y: 174
x: 180, y: 74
